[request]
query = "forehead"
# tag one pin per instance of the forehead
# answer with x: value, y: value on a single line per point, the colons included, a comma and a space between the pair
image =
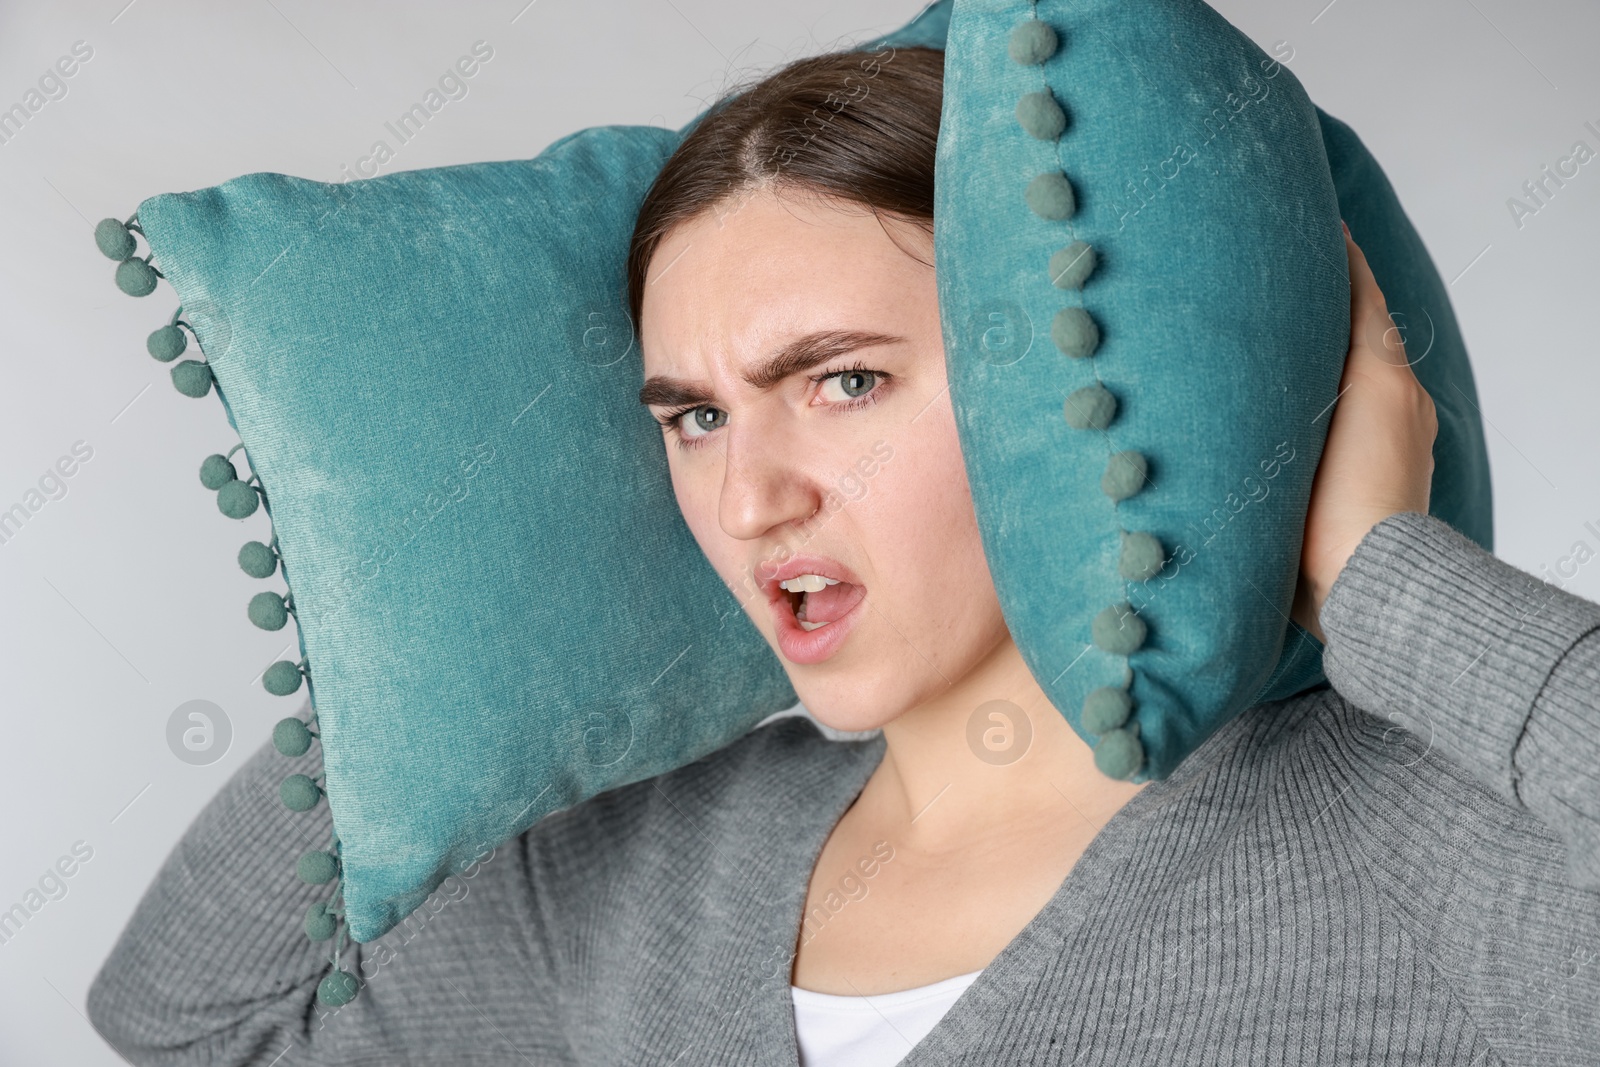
x: 756, y: 270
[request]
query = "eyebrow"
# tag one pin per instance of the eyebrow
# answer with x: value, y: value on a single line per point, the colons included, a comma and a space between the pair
x: 798, y: 355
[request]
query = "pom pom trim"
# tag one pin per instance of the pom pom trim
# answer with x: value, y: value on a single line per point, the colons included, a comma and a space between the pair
x: 239, y: 499
x: 1118, y: 630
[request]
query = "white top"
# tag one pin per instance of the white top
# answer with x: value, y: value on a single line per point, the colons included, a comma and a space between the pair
x: 875, y: 1031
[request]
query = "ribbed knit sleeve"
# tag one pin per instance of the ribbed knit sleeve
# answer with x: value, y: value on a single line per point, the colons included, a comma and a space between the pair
x: 214, y: 966
x: 1498, y: 670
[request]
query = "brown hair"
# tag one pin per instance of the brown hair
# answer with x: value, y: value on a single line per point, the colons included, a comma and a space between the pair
x: 855, y: 125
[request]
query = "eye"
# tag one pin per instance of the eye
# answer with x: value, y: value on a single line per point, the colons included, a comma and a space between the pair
x: 692, y: 425
x: 701, y: 421
x: 858, y: 381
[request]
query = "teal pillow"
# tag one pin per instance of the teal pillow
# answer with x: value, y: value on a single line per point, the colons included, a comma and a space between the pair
x: 500, y: 611
x: 434, y: 381
x: 1146, y: 311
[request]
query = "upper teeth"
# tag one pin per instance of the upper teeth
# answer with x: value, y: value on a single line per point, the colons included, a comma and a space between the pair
x: 807, y: 583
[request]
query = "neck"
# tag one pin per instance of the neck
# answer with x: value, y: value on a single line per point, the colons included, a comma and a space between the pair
x: 956, y: 781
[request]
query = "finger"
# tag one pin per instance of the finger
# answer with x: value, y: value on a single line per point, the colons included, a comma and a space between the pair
x: 1364, y: 291
x: 1371, y: 328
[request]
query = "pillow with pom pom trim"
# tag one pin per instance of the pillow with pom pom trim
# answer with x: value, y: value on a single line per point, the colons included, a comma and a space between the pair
x: 434, y: 381
x: 1145, y: 302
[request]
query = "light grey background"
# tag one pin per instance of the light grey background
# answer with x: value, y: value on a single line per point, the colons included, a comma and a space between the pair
x: 122, y: 600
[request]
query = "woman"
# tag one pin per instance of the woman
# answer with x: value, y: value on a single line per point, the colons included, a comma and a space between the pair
x: 1314, y: 885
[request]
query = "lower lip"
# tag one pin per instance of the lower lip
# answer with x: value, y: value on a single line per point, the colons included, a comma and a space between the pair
x: 811, y: 646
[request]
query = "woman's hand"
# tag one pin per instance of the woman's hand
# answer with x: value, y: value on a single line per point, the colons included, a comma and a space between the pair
x: 1378, y: 460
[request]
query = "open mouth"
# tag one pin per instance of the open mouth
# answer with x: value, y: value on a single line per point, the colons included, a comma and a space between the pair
x: 816, y: 603
x: 822, y: 602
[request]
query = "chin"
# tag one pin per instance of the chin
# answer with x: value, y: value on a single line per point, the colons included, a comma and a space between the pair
x: 849, y: 723
x: 850, y: 706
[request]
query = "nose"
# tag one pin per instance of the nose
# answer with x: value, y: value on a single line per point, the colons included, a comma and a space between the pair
x: 765, y: 484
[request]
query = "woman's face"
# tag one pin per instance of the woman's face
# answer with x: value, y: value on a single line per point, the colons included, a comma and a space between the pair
x: 799, y: 349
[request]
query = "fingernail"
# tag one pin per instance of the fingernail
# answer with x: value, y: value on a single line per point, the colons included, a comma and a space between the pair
x: 1346, y: 227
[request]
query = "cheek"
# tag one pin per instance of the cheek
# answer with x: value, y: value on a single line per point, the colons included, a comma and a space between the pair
x: 928, y: 532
